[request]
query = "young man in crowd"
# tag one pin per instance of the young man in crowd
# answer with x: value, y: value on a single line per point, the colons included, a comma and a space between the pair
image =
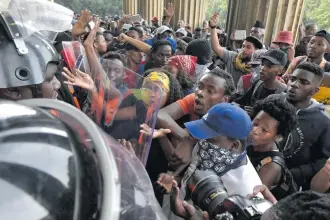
x: 307, y: 147
x: 284, y: 42
x: 155, y: 23
x: 213, y: 88
x: 134, y: 33
x: 258, y: 31
x: 100, y: 45
x: 180, y: 33
x: 221, y: 150
x: 236, y: 63
x: 198, y: 33
x: 200, y: 48
x: 272, y: 65
x: 317, y: 47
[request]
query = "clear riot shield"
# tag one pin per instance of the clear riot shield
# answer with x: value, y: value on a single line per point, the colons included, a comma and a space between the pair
x: 138, y: 104
x: 21, y: 23
x: 118, y: 100
x: 121, y: 168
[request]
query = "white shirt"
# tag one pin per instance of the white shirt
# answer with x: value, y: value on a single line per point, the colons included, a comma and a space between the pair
x: 239, y: 181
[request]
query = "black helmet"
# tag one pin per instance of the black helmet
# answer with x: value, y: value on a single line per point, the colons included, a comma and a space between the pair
x: 24, y: 55
x: 55, y: 163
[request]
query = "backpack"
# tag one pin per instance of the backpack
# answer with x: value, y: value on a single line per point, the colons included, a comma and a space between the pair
x: 287, y: 185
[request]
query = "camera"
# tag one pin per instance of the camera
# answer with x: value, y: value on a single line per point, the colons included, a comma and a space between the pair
x: 209, y: 194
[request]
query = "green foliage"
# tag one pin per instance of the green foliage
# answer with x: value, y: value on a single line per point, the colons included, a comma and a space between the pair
x: 318, y: 11
x: 220, y: 6
x: 99, y: 7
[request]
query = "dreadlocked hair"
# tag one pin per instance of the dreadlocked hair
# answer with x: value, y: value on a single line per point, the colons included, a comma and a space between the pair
x: 157, y: 44
x: 280, y: 110
x: 307, y: 205
x: 176, y: 92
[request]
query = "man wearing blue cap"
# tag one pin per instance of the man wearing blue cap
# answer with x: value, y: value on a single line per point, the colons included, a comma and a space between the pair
x: 222, y: 140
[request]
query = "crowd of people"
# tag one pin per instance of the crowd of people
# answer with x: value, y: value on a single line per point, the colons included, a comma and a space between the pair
x: 254, y: 114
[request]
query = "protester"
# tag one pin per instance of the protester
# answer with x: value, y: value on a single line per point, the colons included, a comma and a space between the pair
x: 313, y: 130
x: 180, y: 33
x: 201, y: 49
x: 317, y: 47
x: 246, y: 81
x: 155, y: 24
x: 258, y: 31
x: 272, y: 65
x: 183, y: 69
x: 181, y: 47
x: 273, y: 119
x: 160, y: 52
x: 223, y: 131
x: 236, y: 63
x: 198, y: 33
x: 302, y: 205
x: 284, y: 42
x: 180, y: 24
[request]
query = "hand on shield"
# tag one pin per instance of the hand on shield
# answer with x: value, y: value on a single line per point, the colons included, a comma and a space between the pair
x: 80, y: 79
x: 145, y: 129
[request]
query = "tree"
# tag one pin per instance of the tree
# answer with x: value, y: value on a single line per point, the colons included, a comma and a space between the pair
x: 99, y: 7
x: 220, y: 6
x: 317, y: 11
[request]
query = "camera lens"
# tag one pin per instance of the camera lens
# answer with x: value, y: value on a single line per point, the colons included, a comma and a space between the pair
x: 207, y: 191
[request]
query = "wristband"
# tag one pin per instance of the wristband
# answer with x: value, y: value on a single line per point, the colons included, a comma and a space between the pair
x: 213, y: 27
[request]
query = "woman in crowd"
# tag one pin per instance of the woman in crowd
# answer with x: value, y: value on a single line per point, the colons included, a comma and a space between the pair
x: 183, y: 67
x: 273, y: 120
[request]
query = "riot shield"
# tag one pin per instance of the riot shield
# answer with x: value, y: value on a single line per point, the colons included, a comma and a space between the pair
x: 118, y: 100
x: 120, y: 168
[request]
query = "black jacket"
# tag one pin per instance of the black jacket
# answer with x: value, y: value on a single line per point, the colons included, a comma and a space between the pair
x: 307, y: 147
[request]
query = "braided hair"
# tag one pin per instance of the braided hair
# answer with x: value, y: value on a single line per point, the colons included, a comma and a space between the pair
x: 176, y: 92
x: 307, y: 205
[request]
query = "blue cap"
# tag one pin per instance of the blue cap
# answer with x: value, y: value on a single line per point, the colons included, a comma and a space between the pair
x: 222, y: 120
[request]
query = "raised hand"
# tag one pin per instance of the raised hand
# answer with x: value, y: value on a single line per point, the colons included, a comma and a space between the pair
x: 92, y: 35
x: 169, y: 10
x: 78, y: 78
x: 214, y: 19
x: 79, y: 28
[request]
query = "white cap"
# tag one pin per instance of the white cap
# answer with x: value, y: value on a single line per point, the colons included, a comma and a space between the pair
x: 162, y: 29
x: 182, y: 31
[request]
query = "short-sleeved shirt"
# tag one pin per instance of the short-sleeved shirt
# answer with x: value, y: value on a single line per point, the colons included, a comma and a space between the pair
x: 187, y: 105
x: 228, y: 58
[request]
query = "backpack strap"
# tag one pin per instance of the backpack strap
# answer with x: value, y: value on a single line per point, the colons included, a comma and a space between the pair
x: 258, y: 84
x: 273, y: 155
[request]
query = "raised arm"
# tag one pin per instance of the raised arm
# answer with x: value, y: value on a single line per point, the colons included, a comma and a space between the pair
x: 217, y: 48
x: 137, y: 43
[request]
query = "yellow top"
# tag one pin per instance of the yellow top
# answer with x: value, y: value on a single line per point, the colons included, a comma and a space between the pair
x: 323, y: 96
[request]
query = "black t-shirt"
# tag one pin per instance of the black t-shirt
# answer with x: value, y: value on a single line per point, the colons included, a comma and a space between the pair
x: 254, y: 94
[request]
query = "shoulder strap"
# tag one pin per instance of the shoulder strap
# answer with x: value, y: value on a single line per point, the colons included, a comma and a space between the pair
x: 258, y: 84
x: 274, y: 156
